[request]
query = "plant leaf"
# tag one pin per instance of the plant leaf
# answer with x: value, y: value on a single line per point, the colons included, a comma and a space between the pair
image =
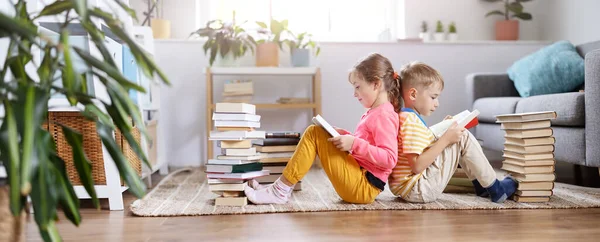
x: 43, y: 195
x: 17, y: 26
x: 515, y: 7
x: 262, y: 25
x: 127, y: 173
x: 56, y: 8
x: 29, y: 159
x: 523, y: 16
x: 66, y: 194
x: 127, y: 9
x: 68, y: 72
x: 9, y: 150
x: 496, y: 12
x: 81, y: 162
x: 81, y: 7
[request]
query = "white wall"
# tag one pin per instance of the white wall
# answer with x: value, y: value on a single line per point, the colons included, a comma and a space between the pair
x: 469, y: 16
x: 184, y: 103
x: 574, y: 20
x: 181, y: 13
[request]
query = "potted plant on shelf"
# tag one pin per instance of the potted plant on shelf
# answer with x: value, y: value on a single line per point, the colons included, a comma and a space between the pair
x: 27, y: 149
x: 267, y: 49
x: 225, y: 41
x: 452, y: 34
x: 161, y: 28
x: 439, y: 32
x: 508, y: 28
x: 424, y: 35
x: 299, y: 48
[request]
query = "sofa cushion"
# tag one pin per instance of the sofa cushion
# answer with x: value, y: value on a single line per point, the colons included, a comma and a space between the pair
x: 489, y: 107
x: 569, y: 107
x: 556, y: 68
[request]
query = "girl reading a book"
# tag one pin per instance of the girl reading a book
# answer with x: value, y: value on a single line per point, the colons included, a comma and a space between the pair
x: 358, y: 165
x: 426, y: 162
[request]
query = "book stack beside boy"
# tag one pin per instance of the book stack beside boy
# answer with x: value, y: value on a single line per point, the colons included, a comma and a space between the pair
x: 238, y: 91
x: 529, y: 154
x: 236, y: 125
x: 276, y: 150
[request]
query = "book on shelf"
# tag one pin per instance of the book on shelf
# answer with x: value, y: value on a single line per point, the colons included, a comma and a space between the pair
x: 320, y: 121
x: 276, y: 141
x: 227, y: 187
x: 539, y: 193
x: 243, y: 176
x: 538, y: 156
x: 239, y: 152
x: 518, y: 162
x: 530, y: 141
x: 529, y: 133
x: 285, y: 134
x: 531, y: 199
x: 535, y: 186
x: 237, y: 144
x: 238, y: 93
x: 526, y: 125
x: 529, y: 149
x: 467, y: 119
x: 238, y: 168
x: 236, y: 117
x: 525, y: 117
x: 245, y: 124
x: 274, y: 149
x: 231, y: 201
x: 285, y: 100
x: 527, y: 169
x: 238, y: 99
x: 238, y: 86
x: 235, y: 108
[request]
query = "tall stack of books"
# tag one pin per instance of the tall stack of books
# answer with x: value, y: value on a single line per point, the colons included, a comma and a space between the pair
x: 276, y: 150
x: 529, y: 154
x: 238, y: 91
x: 227, y: 175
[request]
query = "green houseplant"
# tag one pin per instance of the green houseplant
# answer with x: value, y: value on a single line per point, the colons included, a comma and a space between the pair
x: 299, y: 47
x: 439, y: 31
x: 270, y: 41
x: 508, y: 27
x: 452, y: 32
x: 227, y: 39
x: 424, y: 34
x: 27, y: 150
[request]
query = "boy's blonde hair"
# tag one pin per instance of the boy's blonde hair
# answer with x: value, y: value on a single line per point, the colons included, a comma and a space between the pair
x: 418, y: 74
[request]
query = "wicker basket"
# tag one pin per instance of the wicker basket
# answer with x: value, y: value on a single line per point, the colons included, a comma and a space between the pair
x: 92, y: 145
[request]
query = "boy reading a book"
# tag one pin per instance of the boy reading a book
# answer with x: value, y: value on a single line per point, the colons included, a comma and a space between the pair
x: 360, y: 175
x: 425, y: 162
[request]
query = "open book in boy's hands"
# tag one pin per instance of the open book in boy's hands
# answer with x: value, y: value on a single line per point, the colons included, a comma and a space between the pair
x: 320, y: 121
x: 464, y: 119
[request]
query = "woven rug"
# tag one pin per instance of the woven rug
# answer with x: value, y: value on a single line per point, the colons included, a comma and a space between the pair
x: 185, y: 193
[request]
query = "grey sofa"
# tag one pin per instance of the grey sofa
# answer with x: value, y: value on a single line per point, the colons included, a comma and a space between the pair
x: 577, y: 128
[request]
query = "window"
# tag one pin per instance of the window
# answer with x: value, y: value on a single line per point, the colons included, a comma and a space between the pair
x: 327, y: 20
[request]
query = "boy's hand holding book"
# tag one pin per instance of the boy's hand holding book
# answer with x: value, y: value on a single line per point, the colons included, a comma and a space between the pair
x: 453, y: 134
x: 343, y: 142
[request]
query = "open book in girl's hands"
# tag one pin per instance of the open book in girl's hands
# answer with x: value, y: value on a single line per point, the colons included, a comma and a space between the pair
x: 320, y: 121
x: 464, y: 119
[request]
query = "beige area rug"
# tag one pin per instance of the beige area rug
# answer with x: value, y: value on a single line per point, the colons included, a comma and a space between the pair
x: 185, y: 193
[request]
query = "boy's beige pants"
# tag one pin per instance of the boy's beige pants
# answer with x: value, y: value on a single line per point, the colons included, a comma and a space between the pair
x: 468, y: 153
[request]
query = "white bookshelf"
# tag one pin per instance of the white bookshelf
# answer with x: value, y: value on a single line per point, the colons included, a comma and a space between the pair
x: 291, y: 71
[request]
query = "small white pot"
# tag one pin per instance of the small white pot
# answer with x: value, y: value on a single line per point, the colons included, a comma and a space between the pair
x: 425, y: 36
x: 439, y: 36
x: 453, y: 37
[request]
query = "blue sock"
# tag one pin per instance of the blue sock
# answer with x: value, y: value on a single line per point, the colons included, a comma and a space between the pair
x: 501, y: 190
x: 479, y: 190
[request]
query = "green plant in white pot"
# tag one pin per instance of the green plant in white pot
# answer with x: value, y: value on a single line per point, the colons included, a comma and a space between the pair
x: 226, y: 41
x: 508, y: 28
x: 439, y: 35
x: 300, y: 46
x: 270, y: 42
x: 27, y: 150
x: 424, y: 34
x: 452, y: 32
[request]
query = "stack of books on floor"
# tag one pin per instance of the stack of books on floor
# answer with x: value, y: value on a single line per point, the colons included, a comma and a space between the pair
x: 529, y: 154
x: 238, y: 91
x: 228, y: 174
x: 276, y: 150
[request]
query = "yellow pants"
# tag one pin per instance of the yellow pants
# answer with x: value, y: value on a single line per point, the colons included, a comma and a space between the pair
x: 346, y: 176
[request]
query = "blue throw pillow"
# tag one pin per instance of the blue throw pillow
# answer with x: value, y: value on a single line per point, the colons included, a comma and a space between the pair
x: 556, y: 68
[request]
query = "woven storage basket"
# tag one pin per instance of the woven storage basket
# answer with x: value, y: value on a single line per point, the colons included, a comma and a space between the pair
x: 92, y: 145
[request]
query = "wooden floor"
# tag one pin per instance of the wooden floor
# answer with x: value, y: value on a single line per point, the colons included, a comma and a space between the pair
x: 424, y: 225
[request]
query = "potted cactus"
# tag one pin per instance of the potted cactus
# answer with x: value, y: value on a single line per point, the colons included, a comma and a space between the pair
x: 452, y: 34
x: 439, y: 32
x: 508, y: 28
x: 424, y: 34
x: 270, y: 42
x: 299, y: 48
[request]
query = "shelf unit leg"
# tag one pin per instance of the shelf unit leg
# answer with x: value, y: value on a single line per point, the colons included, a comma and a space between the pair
x: 209, y: 107
x: 113, y: 182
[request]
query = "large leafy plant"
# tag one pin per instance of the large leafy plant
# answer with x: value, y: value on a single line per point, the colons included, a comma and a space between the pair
x: 26, y: 149
x: 512, y: 9
x: 302, y: 41
x: 224, y: 38
x: 274, y: 33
